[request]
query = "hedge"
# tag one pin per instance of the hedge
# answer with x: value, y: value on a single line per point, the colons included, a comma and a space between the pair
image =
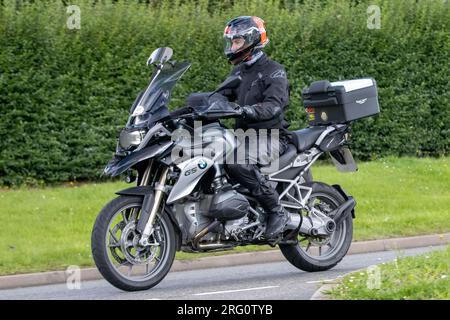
x: 64, y: 94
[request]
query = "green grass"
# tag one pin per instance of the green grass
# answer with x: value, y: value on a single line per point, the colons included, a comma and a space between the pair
x: 49, y: 228
x: 412, y: 278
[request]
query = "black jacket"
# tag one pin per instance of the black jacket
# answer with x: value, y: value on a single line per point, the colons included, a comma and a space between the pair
x: 264, y: 88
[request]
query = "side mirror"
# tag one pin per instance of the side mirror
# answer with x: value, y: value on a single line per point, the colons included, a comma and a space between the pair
x: 160, y: 56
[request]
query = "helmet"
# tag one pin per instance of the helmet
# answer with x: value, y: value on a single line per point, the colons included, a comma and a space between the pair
x: 242, y: 36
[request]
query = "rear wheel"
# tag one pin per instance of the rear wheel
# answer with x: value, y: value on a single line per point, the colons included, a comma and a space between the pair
x: 319, y: 254
x: 116, y: 250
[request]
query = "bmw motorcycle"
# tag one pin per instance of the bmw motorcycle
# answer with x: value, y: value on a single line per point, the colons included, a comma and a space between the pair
x: 190, y: 204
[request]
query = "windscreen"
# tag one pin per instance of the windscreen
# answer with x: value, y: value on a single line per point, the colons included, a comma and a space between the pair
x: 151, y: 105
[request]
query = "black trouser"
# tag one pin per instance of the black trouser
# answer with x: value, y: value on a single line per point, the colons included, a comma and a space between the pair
x: 250, y: 177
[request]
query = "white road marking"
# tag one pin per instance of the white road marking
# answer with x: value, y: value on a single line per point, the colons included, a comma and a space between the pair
x: 238, y: 290
x: 320, y: 281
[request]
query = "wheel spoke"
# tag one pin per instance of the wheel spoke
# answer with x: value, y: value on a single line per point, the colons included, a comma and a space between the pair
x: 113, y: 236
x: 308, y: 246
x: 124, y: 217
x: 129, y: 244
x: 134, y: 214
x: 129, y: 269
x: 320, y: 250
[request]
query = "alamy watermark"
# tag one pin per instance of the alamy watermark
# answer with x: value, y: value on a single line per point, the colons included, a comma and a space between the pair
x: 374, y: 17
x: 373, y: 277
x: 73, y: 280
x: 227, y: 146
x: 74, y: 20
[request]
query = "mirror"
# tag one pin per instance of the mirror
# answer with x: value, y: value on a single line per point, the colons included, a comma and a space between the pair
x: 160, y: 56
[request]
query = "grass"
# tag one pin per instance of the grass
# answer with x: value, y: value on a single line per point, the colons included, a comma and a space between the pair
x: 49, y: 228
x: 412, y: 278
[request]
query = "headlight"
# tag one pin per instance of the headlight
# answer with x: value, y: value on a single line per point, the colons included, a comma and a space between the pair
x: 128, y: 139
x: 139, y: 120
x: 138, y: 111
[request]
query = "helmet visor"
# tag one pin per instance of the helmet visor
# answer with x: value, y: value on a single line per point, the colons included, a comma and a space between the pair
x: 238, y: 41
x: 233, y: 45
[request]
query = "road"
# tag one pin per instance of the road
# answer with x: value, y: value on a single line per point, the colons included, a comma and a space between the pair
x: 275, y: 281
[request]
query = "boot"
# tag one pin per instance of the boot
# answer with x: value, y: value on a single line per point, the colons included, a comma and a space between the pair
x: 277, y: 221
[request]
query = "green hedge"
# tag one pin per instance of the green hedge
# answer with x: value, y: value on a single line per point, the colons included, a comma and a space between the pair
x: 65, y: 93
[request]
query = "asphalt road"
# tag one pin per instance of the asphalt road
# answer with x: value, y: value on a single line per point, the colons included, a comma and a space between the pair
x: 275, y: 281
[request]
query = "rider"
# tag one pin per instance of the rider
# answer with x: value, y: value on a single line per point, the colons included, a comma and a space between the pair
x: 263, y: 95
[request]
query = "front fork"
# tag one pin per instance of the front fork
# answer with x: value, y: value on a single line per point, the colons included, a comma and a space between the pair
x: 151, y: 204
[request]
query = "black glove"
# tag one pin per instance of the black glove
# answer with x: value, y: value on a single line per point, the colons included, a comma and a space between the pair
x: 247, y: 112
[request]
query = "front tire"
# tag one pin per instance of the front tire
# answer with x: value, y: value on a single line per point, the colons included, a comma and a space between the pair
x: 301, y: 256
x: 115, y: 246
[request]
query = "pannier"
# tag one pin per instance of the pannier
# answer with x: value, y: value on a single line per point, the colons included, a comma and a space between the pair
x: 341, y: 101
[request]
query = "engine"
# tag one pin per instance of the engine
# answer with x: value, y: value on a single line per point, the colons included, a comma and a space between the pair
x: 234, y: 227
x: 226, y: 206
x: 191, y: 219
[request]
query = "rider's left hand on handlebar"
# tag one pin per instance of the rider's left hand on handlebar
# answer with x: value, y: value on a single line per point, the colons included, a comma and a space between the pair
x: 246, y: 111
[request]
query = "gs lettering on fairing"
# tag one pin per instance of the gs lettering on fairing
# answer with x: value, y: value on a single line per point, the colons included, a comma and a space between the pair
x: 190, y: 204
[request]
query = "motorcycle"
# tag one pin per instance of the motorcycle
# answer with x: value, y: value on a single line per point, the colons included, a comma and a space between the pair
x: 190, y: 204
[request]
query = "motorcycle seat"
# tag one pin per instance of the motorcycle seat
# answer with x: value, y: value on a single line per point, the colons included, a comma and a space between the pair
x: 305, y: 138
x: 285, y: 159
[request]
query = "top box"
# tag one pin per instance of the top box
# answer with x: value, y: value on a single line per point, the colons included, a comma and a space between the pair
x: 340, y: 102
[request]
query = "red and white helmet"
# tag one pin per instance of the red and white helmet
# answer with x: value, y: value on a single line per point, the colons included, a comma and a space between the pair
x: 242, y: 36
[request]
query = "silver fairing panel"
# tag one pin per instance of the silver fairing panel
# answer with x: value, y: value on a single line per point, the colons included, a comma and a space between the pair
x: 216, y: 143
x: 191, y: 172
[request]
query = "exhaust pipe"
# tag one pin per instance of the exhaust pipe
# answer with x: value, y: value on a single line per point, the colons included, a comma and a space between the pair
x: 341, y: 213
x: 215, y: 246
x: 201, y: 234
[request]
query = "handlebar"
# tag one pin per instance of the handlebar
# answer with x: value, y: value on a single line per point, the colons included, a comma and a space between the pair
x: 219, y: 110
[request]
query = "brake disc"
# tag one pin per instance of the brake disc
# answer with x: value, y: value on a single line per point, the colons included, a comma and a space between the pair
x: 132, y: 250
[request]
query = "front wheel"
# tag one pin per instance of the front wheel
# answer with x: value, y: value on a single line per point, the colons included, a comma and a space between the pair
x: 119, y: 257
x: 319, y: 254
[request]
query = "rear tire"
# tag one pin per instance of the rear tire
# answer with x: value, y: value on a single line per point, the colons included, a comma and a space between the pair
x: 297, y: 256
x: 101, y: 250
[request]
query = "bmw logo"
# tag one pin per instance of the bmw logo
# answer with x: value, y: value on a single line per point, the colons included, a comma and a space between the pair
x: 202, y: 164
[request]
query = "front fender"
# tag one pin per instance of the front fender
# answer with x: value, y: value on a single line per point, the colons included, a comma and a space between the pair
x: 116, y: 168
x: 136, y: 191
